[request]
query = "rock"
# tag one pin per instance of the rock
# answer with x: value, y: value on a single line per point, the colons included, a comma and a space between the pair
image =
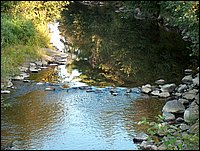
x: 146, y: 88
x: 182, y: 88
x: 164, y: 94
x: 155, y: 92
x: 32, y: 69
x: 128, y: 90
x: 196, y: 81
x: 5, y: 92
x: 160, y: 82
x: 188, y: 71
x: 194, y: 129
x: 146, y: 145
x: 43, y: 67
x: 189, y: 95
x: 49, y: 89
x: 24, y: 75
x: 140, y: 137
x: 114, y: 94
x: 23, y: 69
x: 39, y: 83
x: 184, y: 127
x: 38, y: 63
x: 53, y: 64
x: 187, y: 79
x: 32, y: 64
x: 178, y: 94
x: 168, y: 87
x: 26, y: 80
x: 9, y: 84
x: 168, y: 116
x: 173, y: 106
x: 162, y: 147
x: 179, y: 120
x: 183, y: 101
x: 191, y: 114
x: 17, y: 78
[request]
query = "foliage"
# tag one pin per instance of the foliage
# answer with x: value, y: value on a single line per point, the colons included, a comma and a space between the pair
x: 172, y: 137
x: 183, y: 15
x: 24, y: 30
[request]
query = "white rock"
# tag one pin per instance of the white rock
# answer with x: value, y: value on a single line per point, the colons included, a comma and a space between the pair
x: 5, y: 91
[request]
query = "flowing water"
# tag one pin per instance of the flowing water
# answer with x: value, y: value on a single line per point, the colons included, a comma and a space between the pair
x: 127, y: 52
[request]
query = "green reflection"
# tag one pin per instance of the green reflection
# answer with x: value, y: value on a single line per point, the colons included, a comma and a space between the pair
x: 124, y: 51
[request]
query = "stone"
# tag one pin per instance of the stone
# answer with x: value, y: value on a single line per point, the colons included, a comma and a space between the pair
x: 32, y: 69
x: 43, y: 67
x: 24, y: 75
x: 196, y: 81
x: 187, y: 79
x: 173, y: 106
x: 140, y: 137
x: 49, y: 89
x: 184, y: 127
x: 179, y: 120
x: 23, y: 69
x: 155, y: 92
x: 168, y: 116
x: 160, y: 82
x: 183, y: 101
x: 39, y: 63
x: 181, y: 88
x: 114, y: 94
x: 188, y: 71
x: 191, y: 114
x: 5, y: 92
x: 194, y: 129
x: 178, y: 94
x: 17, y: 78
x: 164, y: 94
x: 162, y: 147
x: 53, y: 64
x: 189, y: 95
x: 27, y: 81
x: 9, y: 84
x: 146, y: 88
x: 168, y: 87
x: 39, y: 83
x: 146, y: 145
x: 32, y: 64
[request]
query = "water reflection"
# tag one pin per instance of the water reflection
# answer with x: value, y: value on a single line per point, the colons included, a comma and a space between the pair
x: 125, y: 51
x: 32, y: 116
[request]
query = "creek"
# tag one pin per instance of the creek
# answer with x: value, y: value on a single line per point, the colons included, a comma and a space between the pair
x: 86, y: 115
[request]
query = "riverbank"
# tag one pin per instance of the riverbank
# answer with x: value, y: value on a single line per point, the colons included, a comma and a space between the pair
x: 179, y: 128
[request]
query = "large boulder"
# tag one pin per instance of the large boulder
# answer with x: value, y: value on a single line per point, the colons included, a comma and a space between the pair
x: 173, y: 106
x: 191, y: 114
